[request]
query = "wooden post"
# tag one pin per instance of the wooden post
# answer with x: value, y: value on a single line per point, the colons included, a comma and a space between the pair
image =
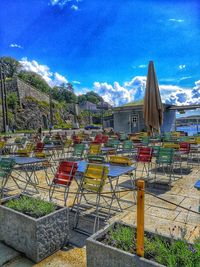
x: 140, y: 218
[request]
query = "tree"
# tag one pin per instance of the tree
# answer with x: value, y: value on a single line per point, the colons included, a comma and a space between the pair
x: 82, y: 98
x: 11, y: 66
x: 12, y: 101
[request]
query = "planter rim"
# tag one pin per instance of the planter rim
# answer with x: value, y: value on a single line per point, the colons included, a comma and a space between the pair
x: 25, y: 215
x: 100, y: 233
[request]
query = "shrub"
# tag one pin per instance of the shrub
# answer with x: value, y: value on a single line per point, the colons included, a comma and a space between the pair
x: 33, y: 207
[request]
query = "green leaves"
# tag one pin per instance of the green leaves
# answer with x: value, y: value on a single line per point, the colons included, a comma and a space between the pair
x: 171, y: 253
x: 33, y: 207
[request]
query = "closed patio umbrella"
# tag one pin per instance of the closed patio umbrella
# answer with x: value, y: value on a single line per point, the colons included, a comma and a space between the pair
x: 153, y: 108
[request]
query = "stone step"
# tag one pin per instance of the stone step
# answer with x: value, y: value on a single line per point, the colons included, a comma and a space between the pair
x: 7, y: 254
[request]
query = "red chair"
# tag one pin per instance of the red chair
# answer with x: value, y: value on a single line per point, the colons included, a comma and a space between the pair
x: 184, y: 150
x: 98, y: 139
x: 63, y: 178
x: 104, y: 139
x: 39, y: 147
x: 144, y: 155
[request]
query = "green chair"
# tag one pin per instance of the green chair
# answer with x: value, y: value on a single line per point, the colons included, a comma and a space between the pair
x: 165, y: 159
x: 127, y: 148
x: 6, y: 167
x: 78, y: 152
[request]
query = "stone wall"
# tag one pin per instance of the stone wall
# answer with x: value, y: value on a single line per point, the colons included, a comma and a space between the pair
x: 23, y: 90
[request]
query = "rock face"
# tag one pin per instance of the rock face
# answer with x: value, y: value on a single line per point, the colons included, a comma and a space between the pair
x: 37, y: 238
x: 33, y: 110
x: 31, y: 115
x: 24, y: 90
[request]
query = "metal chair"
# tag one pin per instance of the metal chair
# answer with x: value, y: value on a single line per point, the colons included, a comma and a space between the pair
x: 93, y: 180
x: 120, y: 160
x: 63, y: 178
x: 78, y: 151
x: 95, y: 149
x: 164, y: 159
x: 25, y: 152
x: 144, y: 155
x: 6, y: 167
x: 127, y: 148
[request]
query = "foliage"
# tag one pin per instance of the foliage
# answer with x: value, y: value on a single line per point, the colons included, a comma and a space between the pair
x: 35, y: 80
x: 63, y: 125
x: 171, y: 253
x: 66, y: 94
x: 33, y: 207
x: 11, y: 65
x: 91, y: 97
x: 12, y: 100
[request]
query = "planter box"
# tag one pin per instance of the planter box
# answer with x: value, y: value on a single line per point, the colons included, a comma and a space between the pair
x: 36, y: 238
x: 101, y: 255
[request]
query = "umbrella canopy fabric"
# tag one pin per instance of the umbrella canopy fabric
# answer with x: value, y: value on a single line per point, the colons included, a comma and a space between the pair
x: 153, y: 108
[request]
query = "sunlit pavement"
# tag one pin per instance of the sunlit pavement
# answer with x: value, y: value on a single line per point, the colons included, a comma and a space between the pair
x: 160, y: 216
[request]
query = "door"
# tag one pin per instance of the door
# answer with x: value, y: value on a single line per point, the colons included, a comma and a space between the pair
x: 134, y: 123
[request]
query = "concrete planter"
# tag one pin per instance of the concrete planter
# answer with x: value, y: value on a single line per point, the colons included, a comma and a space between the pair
x: 36, y: 238
x: 101, y: 255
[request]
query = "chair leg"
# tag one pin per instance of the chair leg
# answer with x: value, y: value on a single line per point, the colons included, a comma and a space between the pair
x: 96, y: 221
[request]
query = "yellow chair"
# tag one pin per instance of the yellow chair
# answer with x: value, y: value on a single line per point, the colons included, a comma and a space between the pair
x: 95, y: 149
x: 26, y: 151
x: 120, y: 160
x: 171, y: 145
x: 93, y: 180
x: 197, y: 140
x: 2, y: 145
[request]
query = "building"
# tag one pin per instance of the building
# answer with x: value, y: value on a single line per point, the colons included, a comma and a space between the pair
x: 129, y: 119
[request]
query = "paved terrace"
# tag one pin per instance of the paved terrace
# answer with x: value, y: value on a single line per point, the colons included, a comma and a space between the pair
x: 159, y: 216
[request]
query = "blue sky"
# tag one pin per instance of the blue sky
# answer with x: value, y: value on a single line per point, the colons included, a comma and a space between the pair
x: 105, y: 45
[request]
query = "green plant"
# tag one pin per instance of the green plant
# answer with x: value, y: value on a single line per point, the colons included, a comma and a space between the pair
x: 171, y: 252
x: 33, y: 207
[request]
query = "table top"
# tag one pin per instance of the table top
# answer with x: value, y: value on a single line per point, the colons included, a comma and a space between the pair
x: 27, y: 160
x: 114, y: 170
x: 197, y: 185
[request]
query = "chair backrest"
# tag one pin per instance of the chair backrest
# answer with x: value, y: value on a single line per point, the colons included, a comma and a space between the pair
x: 184, y: 146
x: 95, y: 149
x: 165, y: 155
x: 112, y: 143
x: 47, y: 140
x: 7, y: 164
x: 39, y: 147
x: 2, y: 144
x: 171, y: 145
x: 145, y: 140
x: 104, y: 139
x: 127, y: 145
x: 65, y: 173
x: 94, y: 177
x: 144, y: 154
x: 96, y: 158
x: 79, y: 149
x: 30, y: 147
x: 119, y: 160
x: 122, y: 136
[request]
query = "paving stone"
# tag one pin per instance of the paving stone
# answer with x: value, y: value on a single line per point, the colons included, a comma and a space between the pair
x: 7, y: 254
x: 20, y: 262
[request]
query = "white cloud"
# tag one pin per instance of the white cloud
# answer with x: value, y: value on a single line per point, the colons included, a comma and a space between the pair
x: 15, y: 46
x: 76, y: 82
x: 177, y: 20
x: 51, y: 78
x: 60, y: 3
x: 142, y: 66
x: 74, y: 7
x: 135, y: 89
x: 182, y: 67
